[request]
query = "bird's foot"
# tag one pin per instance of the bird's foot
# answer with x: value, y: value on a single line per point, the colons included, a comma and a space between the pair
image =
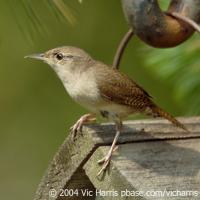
x: 77, y: 127
x: 106, y: 160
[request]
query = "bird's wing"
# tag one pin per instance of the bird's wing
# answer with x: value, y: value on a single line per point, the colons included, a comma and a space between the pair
x: 119, y: 88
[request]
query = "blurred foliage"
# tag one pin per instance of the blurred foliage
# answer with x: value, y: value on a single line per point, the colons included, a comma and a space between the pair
x: 30, y: 20
x: 181, y: 67
x: 35, y: 109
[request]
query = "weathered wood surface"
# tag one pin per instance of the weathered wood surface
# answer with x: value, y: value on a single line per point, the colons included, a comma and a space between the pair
x: 148, y: 167
x: 152, y: 154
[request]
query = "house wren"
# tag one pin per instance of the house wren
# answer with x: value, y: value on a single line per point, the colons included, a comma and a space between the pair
x: 101, y: 89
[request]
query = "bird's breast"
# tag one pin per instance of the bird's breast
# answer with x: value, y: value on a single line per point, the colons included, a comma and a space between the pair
x: 83, y: 89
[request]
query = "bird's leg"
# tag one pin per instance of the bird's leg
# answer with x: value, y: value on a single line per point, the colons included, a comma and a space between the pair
x: 85, y: 119
x: 107, y: 158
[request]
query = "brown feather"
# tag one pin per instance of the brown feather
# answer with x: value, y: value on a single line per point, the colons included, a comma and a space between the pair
x: 117, y: 87
x: 159, y: 112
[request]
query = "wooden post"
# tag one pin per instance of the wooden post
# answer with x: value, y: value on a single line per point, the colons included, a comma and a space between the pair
x: 152, y: 156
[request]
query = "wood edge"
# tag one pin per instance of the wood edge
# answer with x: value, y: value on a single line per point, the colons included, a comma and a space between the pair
x: 102, y: 135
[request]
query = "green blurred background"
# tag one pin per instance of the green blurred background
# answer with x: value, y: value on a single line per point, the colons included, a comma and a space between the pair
x: 35, y: 110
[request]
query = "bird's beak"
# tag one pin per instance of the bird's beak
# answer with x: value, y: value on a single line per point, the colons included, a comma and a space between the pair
x: 39, y: 56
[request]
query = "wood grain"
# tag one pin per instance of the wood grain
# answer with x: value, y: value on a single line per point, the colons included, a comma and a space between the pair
x: 143, y: 146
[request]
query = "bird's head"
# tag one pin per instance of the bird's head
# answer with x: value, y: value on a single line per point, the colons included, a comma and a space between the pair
x: 63, y: 58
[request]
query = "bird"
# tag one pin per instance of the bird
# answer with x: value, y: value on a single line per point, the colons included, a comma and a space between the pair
x: 101, y: 89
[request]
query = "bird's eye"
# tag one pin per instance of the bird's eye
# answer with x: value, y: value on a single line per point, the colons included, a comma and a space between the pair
x: 59, y: 56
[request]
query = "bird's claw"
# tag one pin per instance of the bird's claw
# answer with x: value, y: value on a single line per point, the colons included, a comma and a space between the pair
x: 106, y: 160
x: 77, y: 127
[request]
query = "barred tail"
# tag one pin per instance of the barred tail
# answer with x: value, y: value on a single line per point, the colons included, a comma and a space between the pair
x: 158, y: 112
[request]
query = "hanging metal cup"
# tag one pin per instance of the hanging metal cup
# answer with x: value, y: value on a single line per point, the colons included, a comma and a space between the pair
x: 158, y: 28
